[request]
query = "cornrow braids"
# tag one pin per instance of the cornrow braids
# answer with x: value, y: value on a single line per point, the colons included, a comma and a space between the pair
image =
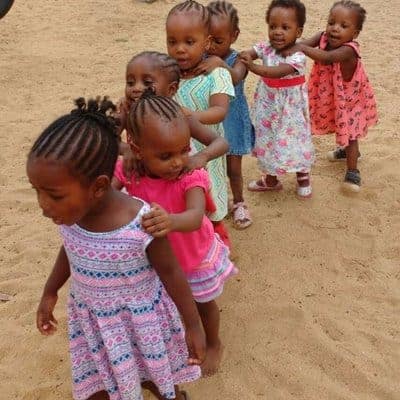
x: 149, y: 103
x: 162, y: 61
x: 86, y: 139
x: 221, y: 7
x: 297, y: 5
x: 192, y: 6
x: 351, y: 5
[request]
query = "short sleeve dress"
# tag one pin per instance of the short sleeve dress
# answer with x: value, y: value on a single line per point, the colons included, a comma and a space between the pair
x: 336, y: 106
x: 239, y: 131
x: 280, y: 116
x: 201, y: 253
x: 124, y: 328
x: 195, y: 94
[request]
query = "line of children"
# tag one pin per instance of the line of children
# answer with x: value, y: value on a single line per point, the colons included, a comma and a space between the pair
x: 128, y: 293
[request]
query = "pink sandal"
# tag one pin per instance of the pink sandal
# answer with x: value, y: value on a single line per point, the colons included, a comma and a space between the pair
x: 260, y: 185
x: 304, y: 192
x: 241, y: 216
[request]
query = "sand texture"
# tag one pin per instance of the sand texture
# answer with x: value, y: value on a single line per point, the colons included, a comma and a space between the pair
x: 315, y: 311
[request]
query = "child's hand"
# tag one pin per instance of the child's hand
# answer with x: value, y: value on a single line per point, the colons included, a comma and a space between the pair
x: 208, y: 65
x: 245, y: 58
x: 196, y: 161
x: 45, y: 321
x: 187, y: 112
x: 157, y: 222
x: 196, y: 343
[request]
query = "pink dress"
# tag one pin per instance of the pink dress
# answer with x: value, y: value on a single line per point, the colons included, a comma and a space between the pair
x: 123, y: 327
x: 346, y: 108
x: 201, y: 253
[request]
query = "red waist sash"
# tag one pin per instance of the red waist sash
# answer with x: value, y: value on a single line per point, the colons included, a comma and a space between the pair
x: 281, y: 83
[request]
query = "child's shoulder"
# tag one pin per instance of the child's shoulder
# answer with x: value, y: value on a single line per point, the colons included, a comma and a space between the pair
x: 197, y: 177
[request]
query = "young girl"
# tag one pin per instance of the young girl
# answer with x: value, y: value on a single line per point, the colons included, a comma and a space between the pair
x: 224, y: 30
x: 341, y: 97
x: 161, y: 142
x: 124, y: 329
x: 151, y: 69
x: 207, y: 96
x: 280, y: 113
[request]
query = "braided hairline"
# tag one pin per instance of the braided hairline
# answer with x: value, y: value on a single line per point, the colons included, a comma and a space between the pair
x: 85, y: 139
x: 192, y: 6
x: 162, y: 61
x: 164, y: 107
x: 222, y: 7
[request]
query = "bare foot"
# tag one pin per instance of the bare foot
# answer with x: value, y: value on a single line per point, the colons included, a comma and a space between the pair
x: 213, y: 359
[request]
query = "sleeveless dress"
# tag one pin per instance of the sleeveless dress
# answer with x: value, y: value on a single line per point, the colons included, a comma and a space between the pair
x: 345, y: 108
x: 123, y: 327
x: 281, y: 117
x: 195, y: 93
x: 239, y: 131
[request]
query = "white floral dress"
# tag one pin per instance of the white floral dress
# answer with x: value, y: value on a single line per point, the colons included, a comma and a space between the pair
x: 281, y: 118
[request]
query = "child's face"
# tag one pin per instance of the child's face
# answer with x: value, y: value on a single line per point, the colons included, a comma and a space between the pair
x: 61, y: 196
x: 142, y: 74
x: 342, y: 26
x: 283, y: 29
x: 187, y: 40
x: 222, y: 36
x: 163, y: 147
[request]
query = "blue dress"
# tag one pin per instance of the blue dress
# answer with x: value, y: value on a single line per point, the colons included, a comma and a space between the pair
x: 239, y: 131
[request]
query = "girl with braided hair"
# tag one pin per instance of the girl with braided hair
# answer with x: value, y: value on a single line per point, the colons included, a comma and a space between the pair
x: 205, y: 96
x: 124, y: 329
x: 160, y: 72
x: 161, y: 142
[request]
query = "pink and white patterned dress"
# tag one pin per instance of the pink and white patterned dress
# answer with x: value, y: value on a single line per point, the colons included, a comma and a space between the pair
x: 124, y: 328
x: 281, y: 117
x: 336, y: 106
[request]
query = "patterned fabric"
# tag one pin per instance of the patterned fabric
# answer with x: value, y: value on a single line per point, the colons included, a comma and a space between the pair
x: 123, y: 327
x: 199, y: 250
x: 281, y: 119
x: 195, y: 94
x: 346, y: 108
x: 239, y: 131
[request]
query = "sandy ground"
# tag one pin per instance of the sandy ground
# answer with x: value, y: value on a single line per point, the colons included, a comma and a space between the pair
x: 315, y: 311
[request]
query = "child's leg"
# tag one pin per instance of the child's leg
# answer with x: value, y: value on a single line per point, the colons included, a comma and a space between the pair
x: 241, y: 214
x: 304, y: 190
x: 352, y: 154
x: 103, y: 395
x: 352, y: 179
x: 209, y: 314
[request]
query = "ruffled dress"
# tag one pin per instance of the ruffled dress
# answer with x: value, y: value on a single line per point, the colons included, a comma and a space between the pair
x: 347, y: 109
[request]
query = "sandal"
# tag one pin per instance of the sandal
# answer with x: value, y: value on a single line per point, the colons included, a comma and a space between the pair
x: 261, y: 186
x: 241, y: 216
x: 304, y: 192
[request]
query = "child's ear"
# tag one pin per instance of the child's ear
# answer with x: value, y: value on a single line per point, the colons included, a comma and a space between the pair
x: 234, y: 36
x: 135, y: 150
x: 355, y: 36
x: 100, y: 186
x: 172, y: 88
x: 299, y: 33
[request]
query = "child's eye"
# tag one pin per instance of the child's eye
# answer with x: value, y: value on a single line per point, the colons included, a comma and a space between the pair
x: 190, y: 42
x: 56, y: 196
x: 165, y: 156
x: 171, y: 42
x: 130, y: 83
x: 148, y: 83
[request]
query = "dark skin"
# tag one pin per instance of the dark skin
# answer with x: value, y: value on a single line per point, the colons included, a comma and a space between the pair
x: 222, y: 38
x: 342, y: 27
x: 96, y: 207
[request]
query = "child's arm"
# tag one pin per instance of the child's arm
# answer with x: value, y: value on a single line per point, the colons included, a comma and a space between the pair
x: 278, y: 71
x: 164, y: 262
x: 217, y: 146
x: 216, y: 112
x: 341, y: 54
x: 45, y: 321
x: 159, y: 223
x: 313, y: 41
x: 238, y: 70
